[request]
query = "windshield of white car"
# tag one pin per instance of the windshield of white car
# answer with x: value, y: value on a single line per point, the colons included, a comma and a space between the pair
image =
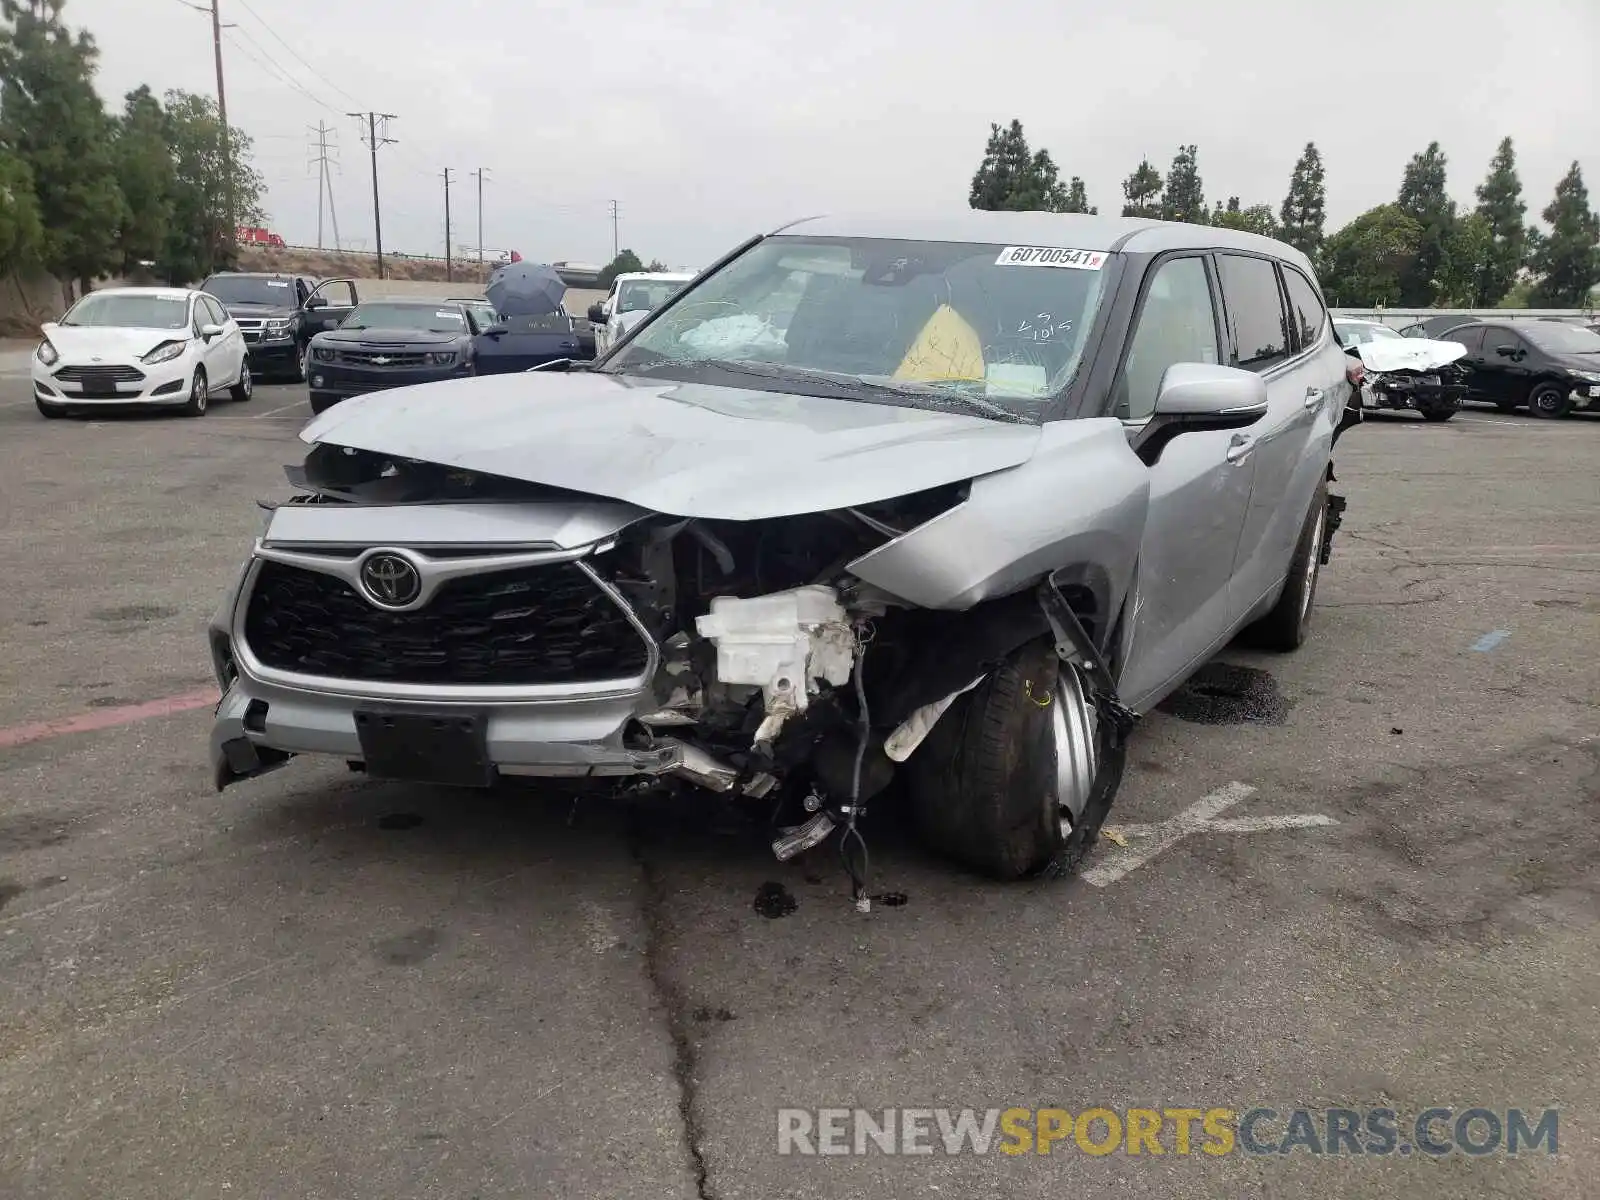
x: 99, y: 310
x: 641, y: 295
x: 1359, y: 334
x: 421, y: 318
x: 917, y: 324
x: 252, y: 289
x: 1562, y: 339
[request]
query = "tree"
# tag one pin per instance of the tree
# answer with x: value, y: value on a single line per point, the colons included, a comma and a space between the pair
x: 1423, y: 198
x: 1501, y: 207
x: 1467, y: 250
x: 54, y: 122
x: 198, y: 240
x: 1258, y: 218
x: 145, y: 174
x: 21, y: 232
x: 1303, y: 211
x: 656, y: 264
x: 1142, y: 190
x: 1184, y: 198
x: 620, y: 265
x: 1363, y: 263
x: 1077, y: 200
x: 1567, y: 260
x: 1014, y: 178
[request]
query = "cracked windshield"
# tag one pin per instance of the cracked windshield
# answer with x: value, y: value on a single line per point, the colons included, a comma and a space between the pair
x: 921, y: 324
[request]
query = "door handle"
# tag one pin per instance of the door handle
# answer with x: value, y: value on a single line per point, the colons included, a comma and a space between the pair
x: 1240, y: 448
x: 1314, y: 397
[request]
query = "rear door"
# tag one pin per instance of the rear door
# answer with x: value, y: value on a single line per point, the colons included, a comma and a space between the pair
x: 1277, y: 327
x: 1506, y: 371
x: 1199, y: 486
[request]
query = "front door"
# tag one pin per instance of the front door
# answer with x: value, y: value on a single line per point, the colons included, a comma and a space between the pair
x: 1480, y: 381
x: 332, y: 301
x: 1199, y: 488
x: 1506, y: 374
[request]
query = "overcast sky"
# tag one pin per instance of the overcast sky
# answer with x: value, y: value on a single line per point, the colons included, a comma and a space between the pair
x: 708, y: 120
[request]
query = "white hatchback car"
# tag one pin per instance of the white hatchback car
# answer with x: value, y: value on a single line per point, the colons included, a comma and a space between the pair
x: 146, y: 346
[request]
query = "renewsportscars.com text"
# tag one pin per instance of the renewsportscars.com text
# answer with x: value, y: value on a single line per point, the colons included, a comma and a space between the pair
x: 1261, y: 1130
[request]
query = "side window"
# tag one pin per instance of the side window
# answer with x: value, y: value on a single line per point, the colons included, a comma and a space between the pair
x: 1176, y: 324
x: 214, y: 311
x: 1307, y: 316
x: 1258, y: 327
x: 1471, y: 338
x: 1496, y: 339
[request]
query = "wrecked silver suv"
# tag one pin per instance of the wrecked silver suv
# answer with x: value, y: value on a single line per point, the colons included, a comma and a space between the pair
x: 953, y: 500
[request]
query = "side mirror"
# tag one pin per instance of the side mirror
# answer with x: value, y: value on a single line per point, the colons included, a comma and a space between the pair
x: 1201, y: 397
x: 1354, y: 351
x: 211, y: 331
x: 495, y: 330
x: 597, y: 314
x: 1506, y: 351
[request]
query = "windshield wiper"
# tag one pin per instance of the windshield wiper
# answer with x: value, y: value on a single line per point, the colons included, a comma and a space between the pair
x: 848, y: 384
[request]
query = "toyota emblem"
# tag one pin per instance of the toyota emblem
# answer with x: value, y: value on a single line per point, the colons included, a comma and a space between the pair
x: 390, y: 581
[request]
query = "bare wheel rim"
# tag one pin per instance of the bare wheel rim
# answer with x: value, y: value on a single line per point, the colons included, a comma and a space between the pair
x: 1312, y: 563
x: 1073, y: 730
x: 246, y: 383
x: 1548, y: 399
x: 201, y: 393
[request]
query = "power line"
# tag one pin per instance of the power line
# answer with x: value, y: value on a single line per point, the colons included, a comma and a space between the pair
x: 273, y: 68
x: 295, y: 52
x: 373, y: 140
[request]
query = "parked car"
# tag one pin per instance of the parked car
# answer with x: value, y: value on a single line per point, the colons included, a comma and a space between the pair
x: 634, y: 294
x: 480, y: 313
x: 524, y: 341
x: 386, y: 344
x: 1548, y: 367
x: 1434, y: 326
x: 955, y: 497
x: 153, y: 347
x: 1358, y: 333
x: 280, y: 313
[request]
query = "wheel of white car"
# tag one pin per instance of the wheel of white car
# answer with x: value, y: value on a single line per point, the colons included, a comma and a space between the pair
x: 199, y: 395
x: 246, y: 387
x: 1017, y: 776
x: 1284, y: 628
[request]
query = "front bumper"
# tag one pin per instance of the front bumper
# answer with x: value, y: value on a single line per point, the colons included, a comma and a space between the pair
x: 279, y: 354
x: 1415, y: 395
x: 108, y: 384
x: 338, y: 381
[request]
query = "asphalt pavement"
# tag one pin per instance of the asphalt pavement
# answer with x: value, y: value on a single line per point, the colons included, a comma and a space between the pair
x: 319, y: 986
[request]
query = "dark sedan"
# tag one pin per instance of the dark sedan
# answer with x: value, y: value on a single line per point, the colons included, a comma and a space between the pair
x: 388, y: 344
x: 1548, y: 367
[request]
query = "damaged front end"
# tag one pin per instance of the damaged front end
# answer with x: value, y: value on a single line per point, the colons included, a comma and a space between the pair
x: 439, y: 625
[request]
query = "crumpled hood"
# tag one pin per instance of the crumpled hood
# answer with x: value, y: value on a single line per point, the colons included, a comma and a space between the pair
x: 685, y: 449
x: 79, y: 343
x: 1408, y: 354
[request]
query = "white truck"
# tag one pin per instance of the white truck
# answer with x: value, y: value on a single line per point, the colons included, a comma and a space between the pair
x: 633, y: 294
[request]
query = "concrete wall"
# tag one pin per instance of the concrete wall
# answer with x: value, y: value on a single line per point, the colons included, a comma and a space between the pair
x: 576, y: 301
x: 27, y: 302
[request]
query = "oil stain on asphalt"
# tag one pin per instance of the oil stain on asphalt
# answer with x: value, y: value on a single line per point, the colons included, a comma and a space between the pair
x: 1228, y: 694
x: 773, y: 900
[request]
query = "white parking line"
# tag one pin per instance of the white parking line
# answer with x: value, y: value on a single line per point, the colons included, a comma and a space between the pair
x: 1200, y: 817
x: 271, y: 412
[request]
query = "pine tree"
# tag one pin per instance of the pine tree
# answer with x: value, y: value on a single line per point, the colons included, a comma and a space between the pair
x: 1184, y: 197
x: 1078, y: 198
x: 1424, y: 199
x: 1006, y: 167
x: 1258, y: 218
x: 1500, y: 205
x: 1568, y: 257
x: 1303, y: 211
x: 145, y: 174
x: 53, y: 120
x: 1142, y: 191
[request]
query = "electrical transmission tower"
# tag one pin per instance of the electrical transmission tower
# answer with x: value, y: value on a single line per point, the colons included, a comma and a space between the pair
x: 325, y: 159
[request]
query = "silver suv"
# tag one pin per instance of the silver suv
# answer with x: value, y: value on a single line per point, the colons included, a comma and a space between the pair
x: 949, y: 500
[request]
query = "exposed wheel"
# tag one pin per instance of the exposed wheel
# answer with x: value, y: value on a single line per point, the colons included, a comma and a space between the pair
x: 53, y: 412
x: 1284, y: 628
x: 302, y: 366
x: 1437, y: 414
x: 246, y: 387
x: 1549, y: 400
x: 1016, y: 777
x: 199, y: 395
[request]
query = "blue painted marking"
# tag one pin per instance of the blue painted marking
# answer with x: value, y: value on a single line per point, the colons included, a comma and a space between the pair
x: 1492, y: 639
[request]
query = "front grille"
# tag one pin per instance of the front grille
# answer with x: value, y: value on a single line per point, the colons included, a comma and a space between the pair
x: 371, y: 358
x: 525, y: 626
x: 100, y: 379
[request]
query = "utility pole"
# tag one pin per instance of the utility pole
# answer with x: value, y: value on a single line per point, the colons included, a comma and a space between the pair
x: 479, y: 174
x: 449, y: 258
x: 616, y: 245
x: 324, y: 178
x: 222, y: 113
x: 375, y: 139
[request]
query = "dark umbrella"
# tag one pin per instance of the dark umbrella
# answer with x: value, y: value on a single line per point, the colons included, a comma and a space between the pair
x: 523, y: 289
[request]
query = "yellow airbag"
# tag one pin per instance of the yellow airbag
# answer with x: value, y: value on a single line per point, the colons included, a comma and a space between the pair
x: 947, y: 349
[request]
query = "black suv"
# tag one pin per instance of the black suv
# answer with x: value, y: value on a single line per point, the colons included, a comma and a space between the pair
x: 1549, y: 367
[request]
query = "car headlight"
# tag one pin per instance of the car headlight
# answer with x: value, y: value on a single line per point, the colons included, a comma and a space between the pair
x: 46, y: 353
x: 165, y: 352
x: 278, y: 329
x: 440, y: 358
x: 323, y: 354
x: 1586, y: 376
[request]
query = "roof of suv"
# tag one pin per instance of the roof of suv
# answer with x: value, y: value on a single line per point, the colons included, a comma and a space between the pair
x: 1076, y: 230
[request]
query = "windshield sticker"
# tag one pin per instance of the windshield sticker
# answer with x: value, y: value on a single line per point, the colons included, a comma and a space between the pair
x: 1050, y: 256
x: 283, y: 283
x: 452, y: 316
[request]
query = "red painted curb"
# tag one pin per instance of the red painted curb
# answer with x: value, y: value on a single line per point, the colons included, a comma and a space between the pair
x: 107, y: 718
